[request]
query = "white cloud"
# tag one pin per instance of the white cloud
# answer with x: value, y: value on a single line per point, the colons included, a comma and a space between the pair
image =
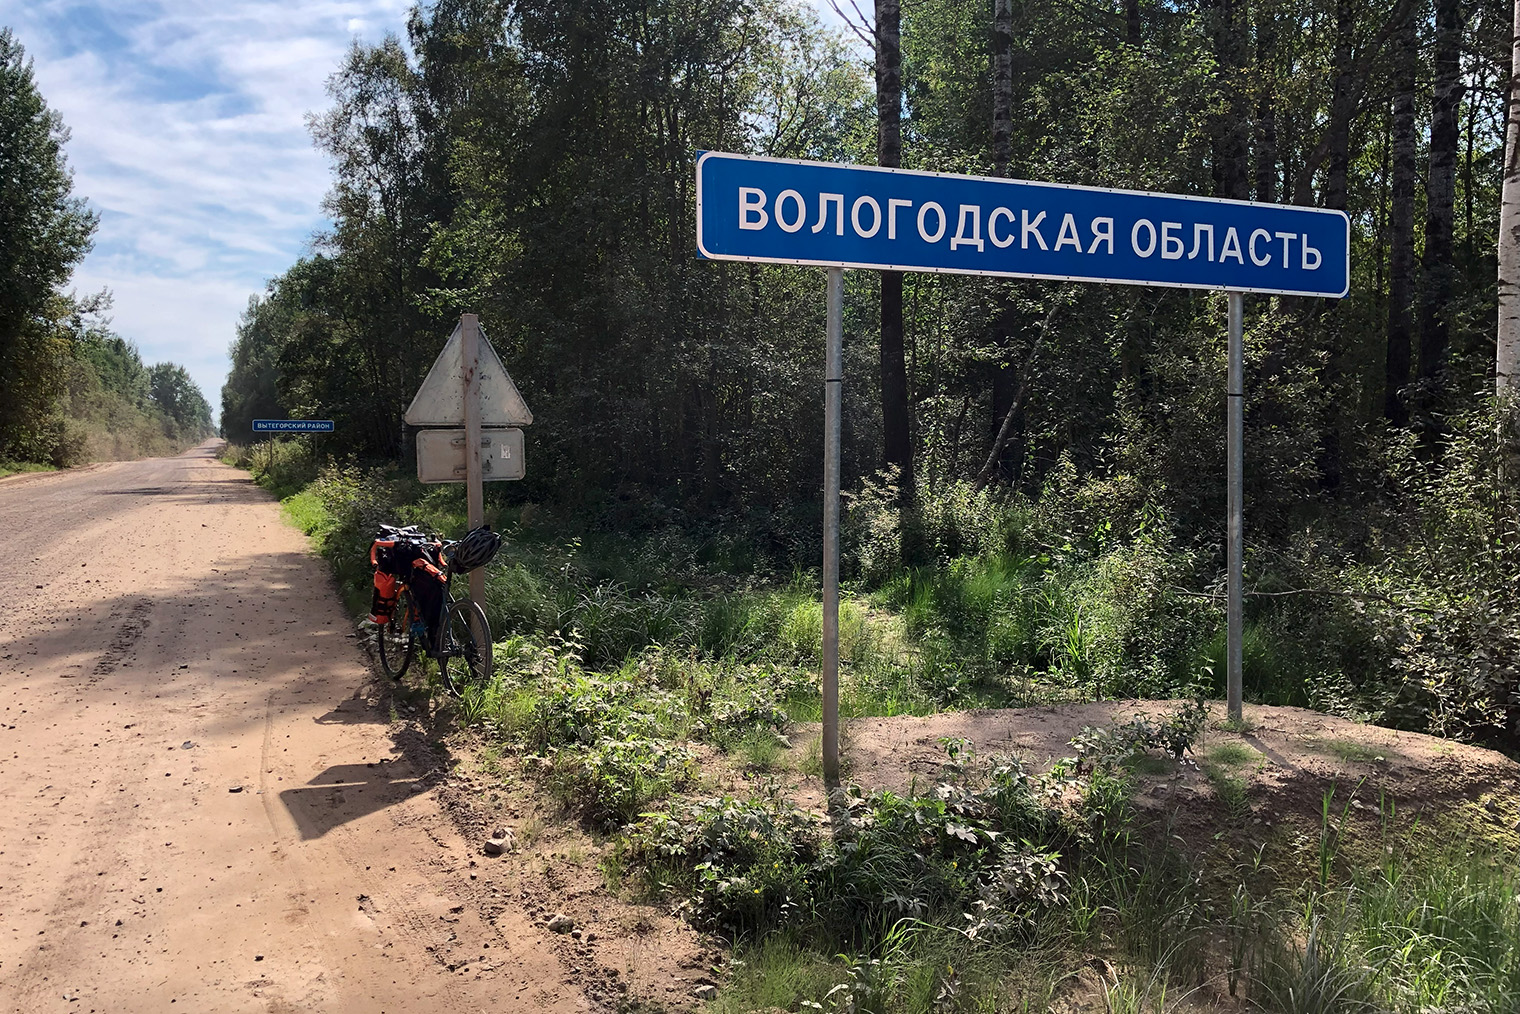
x: 189, y: 137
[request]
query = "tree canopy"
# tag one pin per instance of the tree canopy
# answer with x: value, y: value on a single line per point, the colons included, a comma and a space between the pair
x: 533, y: 163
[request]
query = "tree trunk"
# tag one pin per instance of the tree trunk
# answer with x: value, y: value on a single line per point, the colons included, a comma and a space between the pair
x: 1342, y: 98
x: 1132, y: 27
x: 1441, y: 195
x: 1232, y: 176
x: 1002, y: 118
x: 1266, y: 105
x: 1002, y: 85
x: 897, y: 447
x: 1401, y: 221
x: 1507, y: 362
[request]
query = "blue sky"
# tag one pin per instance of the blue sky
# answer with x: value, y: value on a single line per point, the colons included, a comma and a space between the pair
x: 188, y: 121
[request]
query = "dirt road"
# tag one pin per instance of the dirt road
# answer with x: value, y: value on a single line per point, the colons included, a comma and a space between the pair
x: 200, y: 806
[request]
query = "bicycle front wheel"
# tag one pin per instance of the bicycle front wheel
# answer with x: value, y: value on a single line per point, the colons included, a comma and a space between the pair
x: 396, y: 643
x: 466, y: 657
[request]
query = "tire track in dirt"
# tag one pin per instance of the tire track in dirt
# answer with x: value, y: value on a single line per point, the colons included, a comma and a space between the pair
x: 133, y: 624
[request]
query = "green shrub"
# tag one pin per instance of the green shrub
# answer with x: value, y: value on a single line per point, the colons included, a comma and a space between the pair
x: 611, y: 781
x: 962, y: 853
x: 612, y: 624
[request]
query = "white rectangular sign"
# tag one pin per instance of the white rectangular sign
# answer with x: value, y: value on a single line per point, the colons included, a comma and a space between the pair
x: 441, y: 458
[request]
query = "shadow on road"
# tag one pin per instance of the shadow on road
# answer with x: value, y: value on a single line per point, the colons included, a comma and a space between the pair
x: 356, y: 710
x: 346, y: 792
x: 196, y: 492
x: 228, y: 650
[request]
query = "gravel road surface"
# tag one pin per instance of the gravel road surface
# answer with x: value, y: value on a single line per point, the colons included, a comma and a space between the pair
x: 200, y: 806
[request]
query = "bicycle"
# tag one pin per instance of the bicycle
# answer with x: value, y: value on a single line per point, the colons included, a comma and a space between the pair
x: 461, y: 633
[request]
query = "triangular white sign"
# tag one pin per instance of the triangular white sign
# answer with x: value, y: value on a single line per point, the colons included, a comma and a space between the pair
x: 440, y: 399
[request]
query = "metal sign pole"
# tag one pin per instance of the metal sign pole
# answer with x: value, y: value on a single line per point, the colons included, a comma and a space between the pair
x: 469, y: 350
x: 833, y: 405
x: 1235, y: 468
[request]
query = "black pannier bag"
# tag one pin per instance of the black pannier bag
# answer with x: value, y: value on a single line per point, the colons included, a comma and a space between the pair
x: 411, y: 563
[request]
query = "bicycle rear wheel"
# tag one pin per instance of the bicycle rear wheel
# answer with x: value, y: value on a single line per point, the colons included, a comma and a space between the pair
x: 396, y: 644
x: 466, y: 658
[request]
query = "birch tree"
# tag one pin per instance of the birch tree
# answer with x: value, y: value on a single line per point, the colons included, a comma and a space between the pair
x: 1507, y: 362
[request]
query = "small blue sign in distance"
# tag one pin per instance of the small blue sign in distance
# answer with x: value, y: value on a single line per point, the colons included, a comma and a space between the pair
x: 781, y: 211
x: 292, y: 426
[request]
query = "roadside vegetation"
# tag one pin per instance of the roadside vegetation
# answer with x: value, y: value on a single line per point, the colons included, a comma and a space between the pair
x: 639, y: 648
x: 1085, y: 591
x: 16, y: 467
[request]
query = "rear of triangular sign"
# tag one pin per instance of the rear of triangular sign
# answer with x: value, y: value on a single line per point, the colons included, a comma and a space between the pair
x: 440, y: 399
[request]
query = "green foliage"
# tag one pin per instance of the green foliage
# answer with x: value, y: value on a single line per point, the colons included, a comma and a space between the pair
x: 70, y: 391
x: 962, y: 852
x: 1403, y: 937
x: 110, y: 405
x: 1107, y: 750
x: 44, y: 232
x: 531, y: 162
x: 15, y: 467
x: 180, y: 401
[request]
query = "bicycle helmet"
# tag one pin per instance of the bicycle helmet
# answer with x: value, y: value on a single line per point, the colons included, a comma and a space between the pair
x: 475, y: 550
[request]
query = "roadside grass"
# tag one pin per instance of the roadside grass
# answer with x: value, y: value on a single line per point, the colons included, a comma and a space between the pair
x: 17, y: 467
x: 624, y: 657
x: 1350, y: 751
x: 1223, y: 765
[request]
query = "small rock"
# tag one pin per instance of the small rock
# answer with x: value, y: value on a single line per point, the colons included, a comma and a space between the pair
x: 237, y: 788
x: 576, y: 934
x: 495, y: 846
x: 705, y: 992
x: 258, y: 957
x: 501, y: 832
x: 560, y: 923
x: 186, y: 745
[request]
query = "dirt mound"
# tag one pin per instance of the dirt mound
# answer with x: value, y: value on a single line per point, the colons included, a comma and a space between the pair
x: 1283, y: 761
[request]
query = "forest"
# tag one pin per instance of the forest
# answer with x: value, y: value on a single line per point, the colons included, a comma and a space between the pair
x: 533, y: 163
x: 1034, y: 475
x: 71, y: 390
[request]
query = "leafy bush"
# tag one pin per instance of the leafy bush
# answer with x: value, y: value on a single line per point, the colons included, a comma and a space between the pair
x: 611, y: 781
x: 962, y: 852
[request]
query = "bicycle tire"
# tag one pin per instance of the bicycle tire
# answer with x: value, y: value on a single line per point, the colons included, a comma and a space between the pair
x: 466, y: 658
x: 397, y: 645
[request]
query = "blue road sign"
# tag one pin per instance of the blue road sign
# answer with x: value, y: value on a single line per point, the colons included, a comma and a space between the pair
x: 782, y: 211
x: 292, y: 426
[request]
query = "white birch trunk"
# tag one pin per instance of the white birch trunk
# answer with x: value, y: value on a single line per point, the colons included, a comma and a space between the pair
x: 1507, y: 364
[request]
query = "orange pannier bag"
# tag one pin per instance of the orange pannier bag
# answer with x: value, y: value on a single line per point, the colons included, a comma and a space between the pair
x: 382, y: 602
